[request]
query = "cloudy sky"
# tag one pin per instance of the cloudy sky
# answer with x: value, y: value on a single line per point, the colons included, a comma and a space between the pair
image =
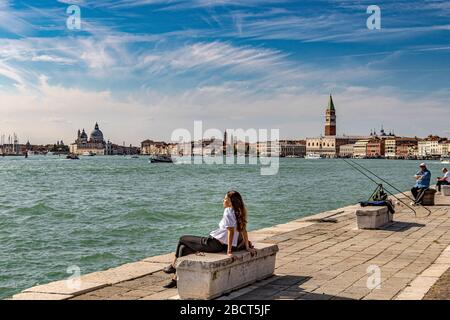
x: 143, y: 68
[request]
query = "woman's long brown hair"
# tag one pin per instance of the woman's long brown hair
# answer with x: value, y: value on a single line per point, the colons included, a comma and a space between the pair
x: 239, y: 209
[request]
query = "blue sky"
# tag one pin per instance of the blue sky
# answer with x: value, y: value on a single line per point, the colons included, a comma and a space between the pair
x: 143, y: 68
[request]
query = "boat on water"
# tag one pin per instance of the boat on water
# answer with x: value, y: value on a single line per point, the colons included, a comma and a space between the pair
x: 161, y: 159
x: 72, y: 156
x: 88, y: 154
x: 292, y: 156
x: 313, y: 156
x: 445, y: 160
x: 134, y: 157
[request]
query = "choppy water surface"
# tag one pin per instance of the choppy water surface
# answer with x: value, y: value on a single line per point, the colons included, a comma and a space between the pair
x: 101, y: 212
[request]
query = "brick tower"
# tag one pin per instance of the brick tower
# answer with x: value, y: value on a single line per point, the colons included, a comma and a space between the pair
x: 330, y: 119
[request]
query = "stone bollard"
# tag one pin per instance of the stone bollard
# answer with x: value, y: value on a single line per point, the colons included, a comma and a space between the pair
x: 428, y: 198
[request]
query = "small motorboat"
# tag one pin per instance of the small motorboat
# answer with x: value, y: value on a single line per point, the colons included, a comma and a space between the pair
x: 72, y: 156
x: 313, y: 156
x: 161, y: 159
x: 445, y: 160
x: 88, y: 154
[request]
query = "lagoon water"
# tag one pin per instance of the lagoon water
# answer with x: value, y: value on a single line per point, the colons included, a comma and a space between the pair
x: 101, y: 212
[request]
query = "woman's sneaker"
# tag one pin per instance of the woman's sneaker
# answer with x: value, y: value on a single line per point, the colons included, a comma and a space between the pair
x: 171, y: 284
x: 170, y: 269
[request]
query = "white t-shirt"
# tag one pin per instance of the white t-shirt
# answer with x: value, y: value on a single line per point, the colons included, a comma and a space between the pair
x: 447, y: 176
x: 228, y: 221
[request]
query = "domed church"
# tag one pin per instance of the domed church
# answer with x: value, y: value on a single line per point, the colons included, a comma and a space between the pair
x: 94, y: 145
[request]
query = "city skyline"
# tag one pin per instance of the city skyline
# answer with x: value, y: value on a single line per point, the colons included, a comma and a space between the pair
x: 144, y: 68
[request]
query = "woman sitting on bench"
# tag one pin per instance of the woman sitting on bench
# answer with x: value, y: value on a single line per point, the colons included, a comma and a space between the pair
x: 231, y: 235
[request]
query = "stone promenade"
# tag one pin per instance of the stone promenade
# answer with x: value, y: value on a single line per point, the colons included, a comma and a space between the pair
x: 321, y: 257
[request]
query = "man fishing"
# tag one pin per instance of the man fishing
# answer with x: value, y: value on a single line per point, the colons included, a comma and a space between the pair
x: 423, y: 178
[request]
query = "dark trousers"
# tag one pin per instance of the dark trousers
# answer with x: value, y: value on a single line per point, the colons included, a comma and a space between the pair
x: 441, y: 183
x: 418, y: 194
x: 192, y: 244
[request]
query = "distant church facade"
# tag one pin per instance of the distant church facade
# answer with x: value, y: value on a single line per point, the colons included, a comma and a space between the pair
x: 94, y: 144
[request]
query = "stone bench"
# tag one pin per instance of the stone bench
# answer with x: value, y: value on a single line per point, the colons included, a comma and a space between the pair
x: 372, y: 217
x: 445, y: 190
x: 210, y: 275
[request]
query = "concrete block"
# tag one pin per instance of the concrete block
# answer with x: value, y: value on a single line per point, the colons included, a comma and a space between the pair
x: 211, y: 275
x: 445, y: 190
x: 372, y: 217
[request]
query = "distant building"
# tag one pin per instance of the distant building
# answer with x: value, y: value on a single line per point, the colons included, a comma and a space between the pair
x: 399, y: 147
x: 391, y: 148
x: 360, y: 148
x: 295, y: 148
x: 326, y: 146
x: 431, y: 147
x: 375, y: 148
x: 95, y: 144
x: 444, y: 148
x: 346, y: 150
x: 149, y: 147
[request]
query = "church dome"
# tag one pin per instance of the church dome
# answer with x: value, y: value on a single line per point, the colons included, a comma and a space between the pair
x: 83, y: 135
x: 97, y: 134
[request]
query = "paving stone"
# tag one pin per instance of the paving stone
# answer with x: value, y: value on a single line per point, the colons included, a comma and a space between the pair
x: 40, y: 296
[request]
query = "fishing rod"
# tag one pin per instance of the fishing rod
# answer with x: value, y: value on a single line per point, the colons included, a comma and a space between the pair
x: 360, y: 170
x: 392, y: 186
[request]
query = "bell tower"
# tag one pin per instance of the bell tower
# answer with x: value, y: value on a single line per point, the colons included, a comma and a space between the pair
x: 330, y: 119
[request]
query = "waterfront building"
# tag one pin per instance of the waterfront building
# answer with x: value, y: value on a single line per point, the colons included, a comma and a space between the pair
x: 444, y: 148
x: 360, y: 148
x: 293, y: 148
x: 390, y: 145
x: 95, y: 144
x: 429, y: 147
x: 115, y: 149
x: 327, y: 147
x: 375, y: 148
x: 399, y: 147
x: 267, y: 148
x: 406, y: 148
x: 346, y: 150
x: 149, y: 147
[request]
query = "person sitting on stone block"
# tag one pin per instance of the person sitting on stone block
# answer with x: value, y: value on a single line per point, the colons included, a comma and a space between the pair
x: 423, y: 178
x: 442, y: 181
x: 232, y: 227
